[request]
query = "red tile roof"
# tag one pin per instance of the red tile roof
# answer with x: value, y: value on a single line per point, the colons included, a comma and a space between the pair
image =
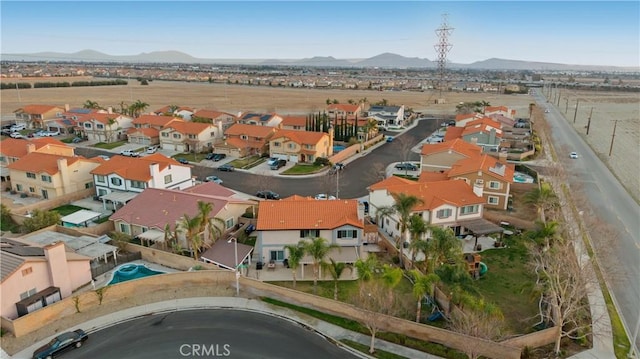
x: 484, y: 124
x: 211, y: 114
x: 38, y: 109
x: 300, y: 137
x: 146, y: 131
x: 192, y: 128
x: 240, y: 129
x: 344, y: 107
x: 305, y: 213
x: 101, y: 117
x: 153, y: 120
x: 43, y: 162
x: 485, y: 163
x: 458, y: 145
x: 434, y: 194
x: 132, y: 168
x: 13, y: 147
x: 294, y: 121
x: 453, y: 133
x: 433, y: 176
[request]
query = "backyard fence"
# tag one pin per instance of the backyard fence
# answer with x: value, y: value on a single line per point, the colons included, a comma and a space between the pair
x: 98, y: 268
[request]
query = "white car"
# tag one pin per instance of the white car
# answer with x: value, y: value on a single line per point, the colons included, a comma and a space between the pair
x: 18, y: 127
x: 215, y: 179
x: 573, y: 155
x: 16, y: 135
x: 129, y: 153
x: 324, y: 196
x: 152, y: 149
x: 51, y: 133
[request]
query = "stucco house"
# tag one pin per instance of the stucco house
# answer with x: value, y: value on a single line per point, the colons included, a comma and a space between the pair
x: 242, y: 140
x: 387, y: 116
x: 448, y: 203
x: 121, y: 178
x: 35, y: 276
x: 260, y: 119
x: 104, y: 127
x: 223, y: 120
x: 184, y: 136
x: 50, y: 176
x: 464, y: 118
x: 436, y: 157
x: 344, y: 110
x: 300, y: 146
x: 12, y: 149
x: 146, y: 129
x: 147, y: 215
x: 483, y: 132
x: 287, y: 221
x: 182, y: 112
x: 295, y: 123
x: 500, y: 110
x: 34, y: 116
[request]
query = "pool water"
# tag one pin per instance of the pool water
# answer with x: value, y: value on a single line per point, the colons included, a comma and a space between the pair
x: 338, y: 148
x: 520, y: 177
x: 131, y: 271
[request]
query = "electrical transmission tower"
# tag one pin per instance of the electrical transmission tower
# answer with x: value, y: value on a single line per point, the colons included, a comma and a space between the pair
x: 442, y: 48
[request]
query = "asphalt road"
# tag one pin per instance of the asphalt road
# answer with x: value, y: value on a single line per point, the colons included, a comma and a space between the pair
x: 610, y: 203
x: 207, y: 334
x: 352, y: 181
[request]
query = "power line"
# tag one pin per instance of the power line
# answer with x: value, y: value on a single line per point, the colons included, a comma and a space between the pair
x: 442, y: 48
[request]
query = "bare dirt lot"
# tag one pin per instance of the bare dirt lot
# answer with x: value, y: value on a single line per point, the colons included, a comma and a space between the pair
x: 607, y: 106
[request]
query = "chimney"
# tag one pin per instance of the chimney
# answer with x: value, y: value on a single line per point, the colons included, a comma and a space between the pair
x: 492, y: 136
x: 65, y: 176
x: 109, y: 109
x: 154, y: 169
x: 56, y: 257
x: 360, y: 211
x: 31, y: 147
x: 478, y: 189
x: 66, y: 107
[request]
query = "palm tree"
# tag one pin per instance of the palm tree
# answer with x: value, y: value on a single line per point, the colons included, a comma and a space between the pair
x: 109, y: 129
x: 391, y: 276
x: 402, y: 207
x: 422, y: 285
x: 91, y: 104
x: 137, y: 107
x: 366, y: 268
x: 296, y: 252
x: 543, y: 198
x: 417, y: 228
x: 335, y: 270
x: 370, y: 127
x: 214, y: 227
x: 443, y: 247
x: 317, y: 248
x: 544, y: 233
x: 189, y: 226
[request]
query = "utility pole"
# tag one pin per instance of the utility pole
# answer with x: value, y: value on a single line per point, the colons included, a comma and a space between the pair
x: 566, y: 107
x: 589, y: 123
x: 576, y: 113
x: 613, y: 136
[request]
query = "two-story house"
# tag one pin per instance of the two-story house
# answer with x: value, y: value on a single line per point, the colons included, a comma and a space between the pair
x: 437, y: 157
x: 121, y: 178
x: 104, y: 127
x: 344, y: 110
x: 260, y: 119
x: 182, y: 112
x: 387, y: 116
x: 36, y: 276
x: 462, y: 119
x: 34, y: 116
x: 448, y: 203
x: 184, y: 136
x: 500, y: 110
x: 483, y: 132
x: 223, y: 120
x: 13, y: 149
x: 146, y: 129
x: 300, y: 146
x: 50, y: 176
x: 67, y: 121
x: 489, y: 173
x: 290, y: 220
x: 147, y: 215
x: 295, y: 123
x: 242, y: 140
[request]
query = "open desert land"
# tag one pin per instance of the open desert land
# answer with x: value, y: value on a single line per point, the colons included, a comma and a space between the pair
x: 235, y: 98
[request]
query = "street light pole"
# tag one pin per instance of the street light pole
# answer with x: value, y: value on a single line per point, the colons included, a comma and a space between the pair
x: 235, y: 260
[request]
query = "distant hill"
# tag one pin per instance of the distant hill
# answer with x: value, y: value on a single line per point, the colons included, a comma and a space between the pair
x: 385, y: 60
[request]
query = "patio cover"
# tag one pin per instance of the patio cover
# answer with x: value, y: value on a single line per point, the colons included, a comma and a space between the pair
x: 221, y: 254
x: 119, y: 197
x: 80, y: 217
x: 85, y: 245
x: 481, y: 226
x: 339, y: 254
x: 152, y: 235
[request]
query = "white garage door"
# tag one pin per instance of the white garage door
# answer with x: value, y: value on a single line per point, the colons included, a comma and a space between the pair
x: 293, y: 159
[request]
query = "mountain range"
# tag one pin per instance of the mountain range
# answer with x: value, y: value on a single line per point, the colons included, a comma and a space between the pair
x: 385, y: 60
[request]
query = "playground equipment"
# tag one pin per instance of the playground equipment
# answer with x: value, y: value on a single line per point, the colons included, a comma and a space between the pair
x: 483, y: 268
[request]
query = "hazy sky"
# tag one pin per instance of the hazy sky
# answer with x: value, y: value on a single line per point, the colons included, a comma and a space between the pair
x: 572, y: 32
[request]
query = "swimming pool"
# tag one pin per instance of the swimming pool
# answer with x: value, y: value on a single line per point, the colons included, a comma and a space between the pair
x: 131, y: 271
x: 520, y: 177
x: 338, y: 148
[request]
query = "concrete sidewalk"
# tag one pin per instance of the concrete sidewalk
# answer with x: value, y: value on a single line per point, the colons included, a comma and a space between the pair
x: 232, y: 303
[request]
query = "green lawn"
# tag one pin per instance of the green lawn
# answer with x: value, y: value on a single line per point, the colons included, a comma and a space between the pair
x: 507, y: 283
x: 303, y: 169
x: 109, y: 146
x: 67, y: 209
x: 248, y: 162
x: 191, y: 157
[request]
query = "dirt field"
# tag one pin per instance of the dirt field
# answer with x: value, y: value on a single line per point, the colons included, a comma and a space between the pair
x: 233, y: 99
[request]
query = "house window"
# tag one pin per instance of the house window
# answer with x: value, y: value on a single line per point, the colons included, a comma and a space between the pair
x: 27, y: 271
x: 444, y: 213
x: 101, y: 179
x: 493, y: 200
x: 469, y: 209
x: 192, y: 136
x: 309, y: 233
x: 291, y: 146
x: 28, y: 293
x: 229, y: 223
x: 88, y: 185
x: 46, y: 178
x: 116, y: 181
x: 2, y: 159
x: 124, y: 228
x: 87, y: 125
x: 494, y: 185
x: 137, y: 184
x: 351, y: 233
x: 19, y: 187
x: 479, y: 181
x: 276, y: 144
x: 100, y: 126
x: 102, y: 192
x: 167, y: 179
x: 164, y: 134
x: 276, y: 255
x: 32, y: 190
x: 31, y: 175
x: 176, y: 135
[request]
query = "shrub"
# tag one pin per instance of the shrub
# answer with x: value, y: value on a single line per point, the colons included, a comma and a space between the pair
x: 322, y: 161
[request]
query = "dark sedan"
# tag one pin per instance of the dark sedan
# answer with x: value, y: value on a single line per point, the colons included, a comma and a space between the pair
x: 226, y: 167
x: 61, y: 343
x: 267, y: 195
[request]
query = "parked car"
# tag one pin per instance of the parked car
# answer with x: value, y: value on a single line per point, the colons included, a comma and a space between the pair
x: 279, y: 164
x: 51, y: 133
x: 61, y: 343
x: 546, y: 110
x: 104, y: 157
x: 406, y: 166
x: 130, y: 153
x: 573, y: 155
x: 271, y: 161
x: 323, y: 196
x: 226, y: 167
x: 182, y: 160
x: 78, y: 139
x: 389, y: 139
x: 17, y: 127
x: 250, y: 228
x: 16, y: 135
x: 219, y: 156
x: 152, y: 149
x: 6, y: 131
x: 215, y: 179
x: 267, y: 195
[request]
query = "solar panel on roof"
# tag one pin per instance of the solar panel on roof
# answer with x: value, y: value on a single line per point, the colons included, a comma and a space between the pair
x: 265, y: 117
x: 24, y: 251
x: 67, y: 122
